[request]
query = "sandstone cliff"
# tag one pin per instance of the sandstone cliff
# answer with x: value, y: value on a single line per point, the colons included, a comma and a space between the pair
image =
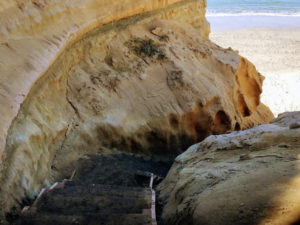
x: 246, y: 177
x: 35, y: 36
x: 77, y: 76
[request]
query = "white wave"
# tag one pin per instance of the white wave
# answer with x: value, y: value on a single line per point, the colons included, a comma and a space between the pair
x: 296, y: 14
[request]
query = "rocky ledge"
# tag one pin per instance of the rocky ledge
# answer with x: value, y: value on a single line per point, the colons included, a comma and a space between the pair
x: 244, y: 177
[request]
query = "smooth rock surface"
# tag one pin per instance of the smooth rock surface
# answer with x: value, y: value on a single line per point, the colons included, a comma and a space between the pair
x: 247, y: 177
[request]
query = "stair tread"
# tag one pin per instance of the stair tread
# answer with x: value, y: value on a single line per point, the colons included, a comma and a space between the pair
x: 104, y: 186
x: 88, y: 219
x: 95, y: 197
x: 100, y: 190
x: 75, y: 191
x: 95, y: 205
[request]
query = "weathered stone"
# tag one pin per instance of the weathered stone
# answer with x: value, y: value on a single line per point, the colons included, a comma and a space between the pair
x: 37, y: 40
x: 245, y: 177
x: 77, y: 76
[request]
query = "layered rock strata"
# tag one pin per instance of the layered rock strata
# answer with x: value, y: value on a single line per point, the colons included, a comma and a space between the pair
x: 71, y: 85
x: 245, y: 177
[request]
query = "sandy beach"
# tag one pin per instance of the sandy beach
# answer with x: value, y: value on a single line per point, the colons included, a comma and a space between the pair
x: 273, y: 49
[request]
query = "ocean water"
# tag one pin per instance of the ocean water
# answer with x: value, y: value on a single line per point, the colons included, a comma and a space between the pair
x: 239, y: 14
x: 253, y: 7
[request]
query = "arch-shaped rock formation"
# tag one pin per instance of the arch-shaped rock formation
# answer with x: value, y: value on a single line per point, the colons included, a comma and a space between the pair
x: 77, y: 76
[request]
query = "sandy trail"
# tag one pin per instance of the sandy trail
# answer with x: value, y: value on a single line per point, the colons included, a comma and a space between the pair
x: 276, y: 54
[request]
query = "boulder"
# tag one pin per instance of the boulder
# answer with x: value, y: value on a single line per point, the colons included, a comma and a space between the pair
x: 243, y: 177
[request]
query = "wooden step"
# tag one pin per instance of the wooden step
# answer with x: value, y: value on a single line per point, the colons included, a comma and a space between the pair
x: 73, y: 189
x: 88, y: 219
x: 94, y: 204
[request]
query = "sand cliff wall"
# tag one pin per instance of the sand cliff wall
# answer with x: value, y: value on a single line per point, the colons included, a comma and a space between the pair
x: 79, y: 76
x: 34, y: 33
x: 35, y: 41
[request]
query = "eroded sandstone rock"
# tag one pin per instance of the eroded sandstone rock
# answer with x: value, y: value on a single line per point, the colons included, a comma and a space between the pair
x: 71, y: 85
x: 34, y: 33
x: 245, y: 177
x: 35, y: 41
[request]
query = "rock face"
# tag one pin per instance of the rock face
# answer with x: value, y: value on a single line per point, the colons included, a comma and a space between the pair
x: 72, y: 85
x: 34, y: 33
x: 37, y: 40
x: 246, y: 177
